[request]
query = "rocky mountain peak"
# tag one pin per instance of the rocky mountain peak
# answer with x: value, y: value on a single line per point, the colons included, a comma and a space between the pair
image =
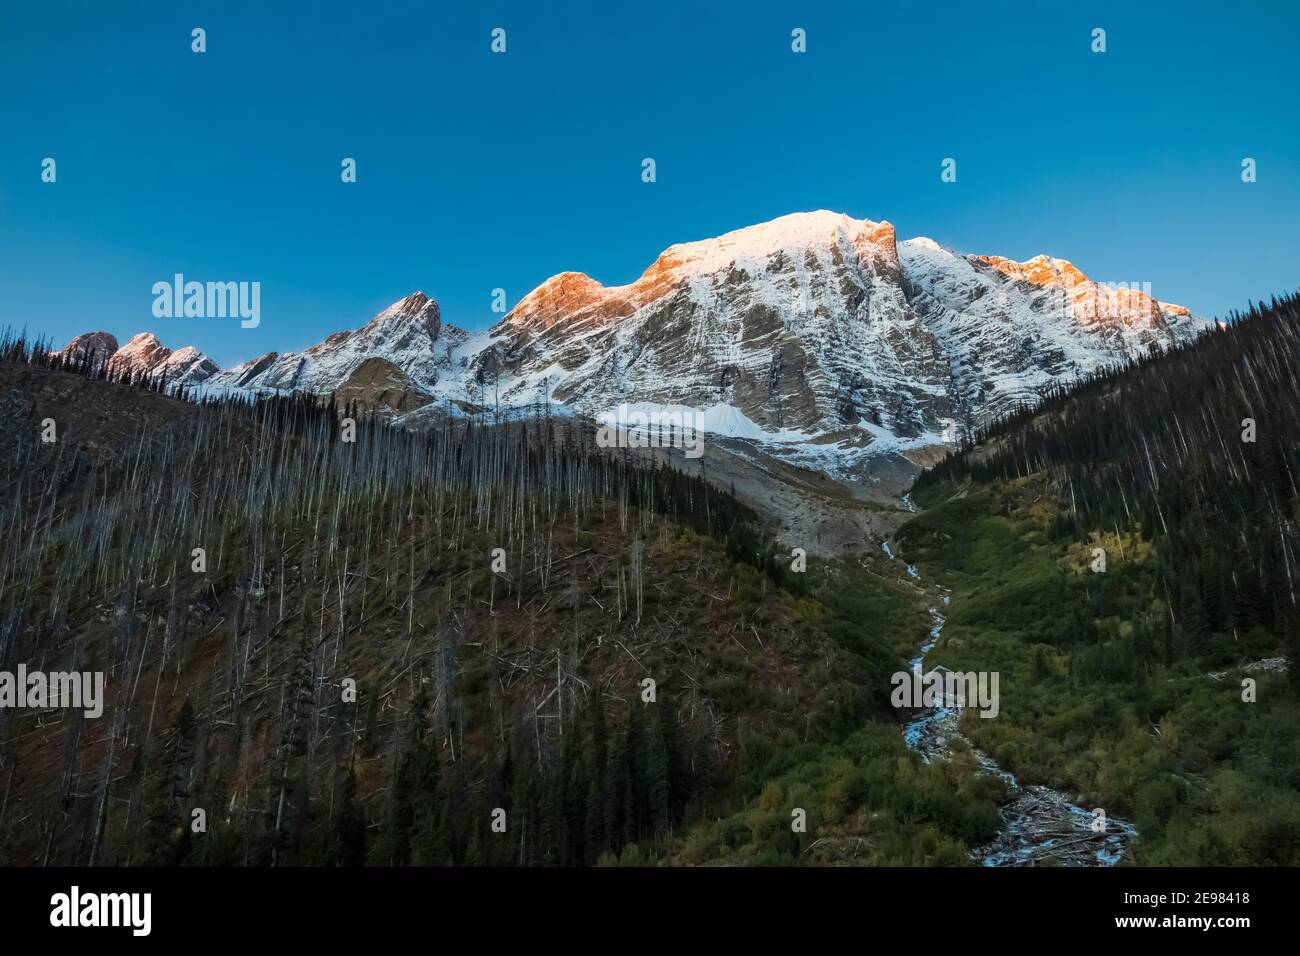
x: 100, y: 345
x: 144, y: 354
x: 560, y: 296
x: 416, y: 308
x: 140, y: 354
x: 1041, y: 270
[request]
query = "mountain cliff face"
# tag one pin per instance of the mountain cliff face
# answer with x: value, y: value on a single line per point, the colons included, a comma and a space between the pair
x: 822, y: 336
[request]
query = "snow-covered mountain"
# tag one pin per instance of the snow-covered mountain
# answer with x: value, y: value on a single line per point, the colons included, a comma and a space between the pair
x: 1010, y: 330
x: 817, y: 334
x: 795, y: 330
x: 824, y: 334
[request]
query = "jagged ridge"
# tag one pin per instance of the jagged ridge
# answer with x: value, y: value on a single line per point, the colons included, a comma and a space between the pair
x: 816, y: 333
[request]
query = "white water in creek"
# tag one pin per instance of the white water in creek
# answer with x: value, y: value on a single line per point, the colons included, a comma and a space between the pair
x: 1037, y: 822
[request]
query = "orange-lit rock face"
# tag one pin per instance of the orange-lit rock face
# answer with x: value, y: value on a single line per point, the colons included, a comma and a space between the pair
x: 1087, y: 301
x: 664, y: 273
x: 574, y: 302
x: 1132, y: 305
x: 141, y: 354
x: 1040, y: 270
x: 578, y: 302
x: 560, y: 298
x: 882, y: 234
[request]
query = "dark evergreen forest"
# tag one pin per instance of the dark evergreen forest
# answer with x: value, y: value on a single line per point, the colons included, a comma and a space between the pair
x: 1200, y: 450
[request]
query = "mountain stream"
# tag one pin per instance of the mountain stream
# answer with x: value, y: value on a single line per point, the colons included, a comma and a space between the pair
x: 1038, y: 823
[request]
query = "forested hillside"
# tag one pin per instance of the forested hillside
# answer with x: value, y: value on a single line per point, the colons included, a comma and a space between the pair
x: 636, y: 675
x: 1126, y: 554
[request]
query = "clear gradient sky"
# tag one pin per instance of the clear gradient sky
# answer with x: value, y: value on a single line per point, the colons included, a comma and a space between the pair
x: 478, y: 171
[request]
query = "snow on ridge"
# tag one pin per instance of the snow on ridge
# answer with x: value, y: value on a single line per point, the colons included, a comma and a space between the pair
x: 820, y: 337
x: 923, y: 242
x: 793, y: 233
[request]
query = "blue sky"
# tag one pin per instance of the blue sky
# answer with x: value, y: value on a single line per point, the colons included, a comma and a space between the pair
x: 478, y: 171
